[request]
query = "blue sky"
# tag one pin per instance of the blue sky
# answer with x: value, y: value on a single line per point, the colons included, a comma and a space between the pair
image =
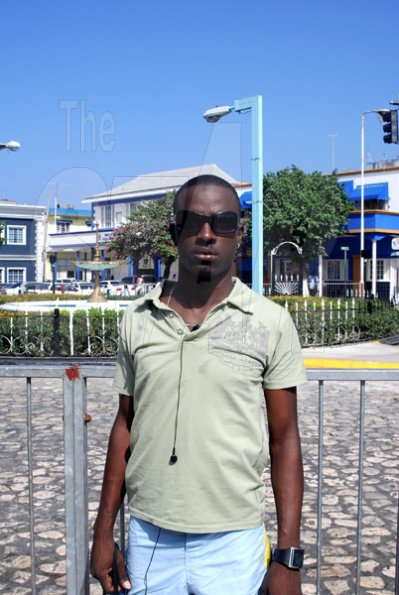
x: 99, y: 92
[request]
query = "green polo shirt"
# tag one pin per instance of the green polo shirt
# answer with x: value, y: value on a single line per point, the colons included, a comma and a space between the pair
x: 202, y: 393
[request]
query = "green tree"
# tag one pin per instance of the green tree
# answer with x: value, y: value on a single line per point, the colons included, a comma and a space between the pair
x: 307, y: 209
x: 146, y: 233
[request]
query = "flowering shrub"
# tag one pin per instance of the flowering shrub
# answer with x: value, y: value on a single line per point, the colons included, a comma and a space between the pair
x: 146, y: 234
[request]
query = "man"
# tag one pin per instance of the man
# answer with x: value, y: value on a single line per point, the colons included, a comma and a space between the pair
x: 189, y: 439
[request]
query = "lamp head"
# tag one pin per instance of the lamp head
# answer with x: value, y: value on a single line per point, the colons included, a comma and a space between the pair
x: 13, y: 145
x: 215, y: 113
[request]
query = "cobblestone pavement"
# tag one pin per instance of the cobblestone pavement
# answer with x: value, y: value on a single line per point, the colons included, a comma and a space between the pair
x: 339, y: 484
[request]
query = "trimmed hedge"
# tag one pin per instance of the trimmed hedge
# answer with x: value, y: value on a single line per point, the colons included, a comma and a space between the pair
x: 59, y: 333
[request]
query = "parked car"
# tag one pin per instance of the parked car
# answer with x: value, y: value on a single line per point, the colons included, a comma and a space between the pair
x: 111, y: 288
x: 12, y: 288
x: 35, y: 287
x: 63, y: 287
x: 43, y: 287
x: 84, y: 287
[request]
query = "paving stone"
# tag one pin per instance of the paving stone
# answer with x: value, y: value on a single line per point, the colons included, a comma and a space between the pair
x: 372, y: 582
x: 337, y: 587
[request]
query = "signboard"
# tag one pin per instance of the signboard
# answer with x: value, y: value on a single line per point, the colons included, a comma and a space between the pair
x: 395, y: 244
x: 105, y: 237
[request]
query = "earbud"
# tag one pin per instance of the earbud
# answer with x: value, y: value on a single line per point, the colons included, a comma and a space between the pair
x: 173, y: 458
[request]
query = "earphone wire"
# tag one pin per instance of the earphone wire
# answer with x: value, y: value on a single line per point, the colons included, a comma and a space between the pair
x: 150, y: 562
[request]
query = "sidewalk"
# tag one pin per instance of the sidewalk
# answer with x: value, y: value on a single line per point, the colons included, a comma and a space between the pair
x: 353, y: 355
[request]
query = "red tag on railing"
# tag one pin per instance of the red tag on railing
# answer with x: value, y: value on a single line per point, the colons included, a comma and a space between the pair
x: 72, y: 372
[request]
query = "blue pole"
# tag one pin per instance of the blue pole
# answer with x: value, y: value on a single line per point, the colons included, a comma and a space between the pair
x: 102, y: 260
x: 255, y: 105
x: 129, y: 265
x: 257, y: 196
x: 77, y: 267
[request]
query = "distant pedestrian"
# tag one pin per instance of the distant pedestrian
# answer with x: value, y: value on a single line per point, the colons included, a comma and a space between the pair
x: 125, y: 291
x: 140, y: 289
x: 313, y: 281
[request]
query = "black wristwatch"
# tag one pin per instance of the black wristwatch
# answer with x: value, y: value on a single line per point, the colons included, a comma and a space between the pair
x: 291, y: 557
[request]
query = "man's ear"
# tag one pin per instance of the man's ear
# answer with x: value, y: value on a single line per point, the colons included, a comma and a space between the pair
x: 173, y: 233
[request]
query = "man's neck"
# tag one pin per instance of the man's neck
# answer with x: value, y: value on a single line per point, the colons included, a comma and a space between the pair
x: 192, y: 292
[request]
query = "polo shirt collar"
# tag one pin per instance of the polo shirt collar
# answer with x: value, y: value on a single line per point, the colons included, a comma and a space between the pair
x: 240, y: 297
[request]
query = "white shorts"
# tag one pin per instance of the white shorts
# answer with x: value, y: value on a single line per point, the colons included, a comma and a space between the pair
x: 172, y: 563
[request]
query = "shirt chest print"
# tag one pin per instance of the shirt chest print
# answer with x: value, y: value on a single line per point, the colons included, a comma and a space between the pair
x: 239, y: 343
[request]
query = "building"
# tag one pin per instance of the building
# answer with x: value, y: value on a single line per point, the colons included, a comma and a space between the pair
x: 62, y: 221
x: 338, y: 271
x: 22, y: 252
x: 381, y: 233
x: 114, y: 208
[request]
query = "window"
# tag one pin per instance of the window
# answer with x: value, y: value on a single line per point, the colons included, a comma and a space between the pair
x: 118, y: 217
x: 63, y: 226
x: 333, y: 270
x: 16, y: 234
x: 380, y: 270
x: 16, y: 275
x: 107, y: 216
x: 135, y: 205
x: 2, y: 276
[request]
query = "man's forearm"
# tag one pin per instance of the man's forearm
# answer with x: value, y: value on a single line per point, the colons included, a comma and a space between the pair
x: 287, y: 483
x: 113, y: 488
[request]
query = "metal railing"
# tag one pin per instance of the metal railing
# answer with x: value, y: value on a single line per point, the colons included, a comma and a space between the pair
x: 95, y: 333
x: 75, y: 444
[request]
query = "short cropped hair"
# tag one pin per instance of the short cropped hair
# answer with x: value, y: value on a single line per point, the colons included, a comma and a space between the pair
x: 206, y: 180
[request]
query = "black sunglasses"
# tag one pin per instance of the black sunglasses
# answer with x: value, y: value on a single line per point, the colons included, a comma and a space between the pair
x: 222, y: 224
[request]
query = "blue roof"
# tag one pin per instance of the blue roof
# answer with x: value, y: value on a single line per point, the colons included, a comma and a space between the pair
x: 246, y: 200
x: 71, y: 212
x: 371, y: 191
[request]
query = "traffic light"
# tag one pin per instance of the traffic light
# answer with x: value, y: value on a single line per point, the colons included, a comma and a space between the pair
x: 390, y: 126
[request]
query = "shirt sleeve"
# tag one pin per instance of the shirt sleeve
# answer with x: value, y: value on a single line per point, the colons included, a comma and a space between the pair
x: 285, y: 367
x: 124, y: 374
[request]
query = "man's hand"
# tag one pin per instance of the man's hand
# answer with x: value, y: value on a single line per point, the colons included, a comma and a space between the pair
x: 281, y: 581
x: 101, y: 560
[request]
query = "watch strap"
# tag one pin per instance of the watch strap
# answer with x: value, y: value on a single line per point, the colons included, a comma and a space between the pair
x: 291, y: 557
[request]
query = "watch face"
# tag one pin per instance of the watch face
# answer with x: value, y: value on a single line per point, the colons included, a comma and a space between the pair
x: 297, y: 559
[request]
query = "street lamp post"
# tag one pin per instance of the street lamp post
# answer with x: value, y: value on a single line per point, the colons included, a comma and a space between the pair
x: 254, y: 105
x: 379, y: 112
x: 345, y: 250
x: 12, y: 145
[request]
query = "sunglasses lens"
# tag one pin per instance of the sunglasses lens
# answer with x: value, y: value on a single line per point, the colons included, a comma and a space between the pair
x: 191, y: 222
x: 225, y: 223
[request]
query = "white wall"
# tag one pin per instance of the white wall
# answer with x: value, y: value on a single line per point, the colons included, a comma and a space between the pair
x: 378, y: 177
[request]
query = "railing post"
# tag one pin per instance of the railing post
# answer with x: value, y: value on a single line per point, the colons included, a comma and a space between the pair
x: 30, y: 482
x: 56, y: 332
x: 320, y: 487
x: 397, y: 555
x: 76, y: 500
x: 360, y: 485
